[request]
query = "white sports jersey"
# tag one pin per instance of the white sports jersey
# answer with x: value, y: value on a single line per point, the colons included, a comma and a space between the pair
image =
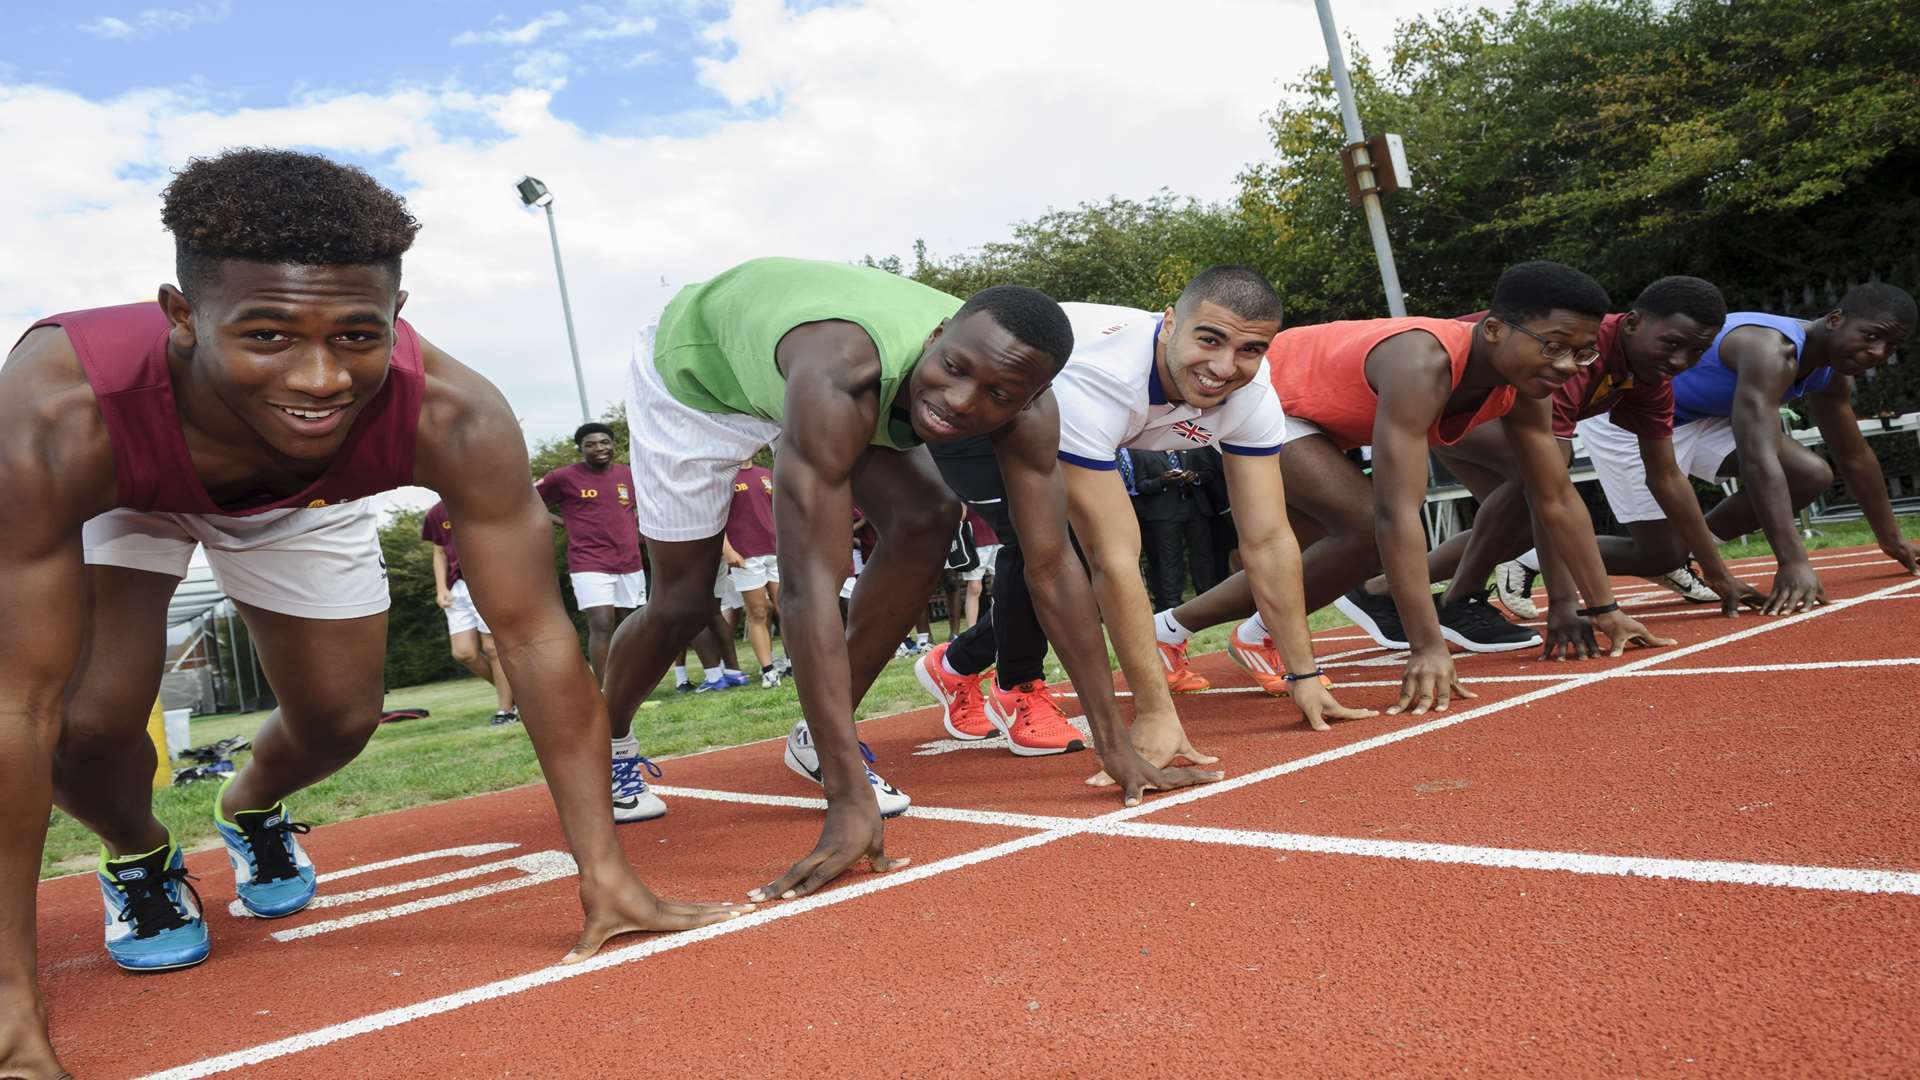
x: 1110, y: 397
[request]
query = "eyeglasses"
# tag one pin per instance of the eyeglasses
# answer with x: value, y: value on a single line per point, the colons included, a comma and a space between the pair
x: 1556, y: 350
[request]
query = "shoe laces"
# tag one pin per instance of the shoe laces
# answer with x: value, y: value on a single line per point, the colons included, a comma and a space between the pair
x: 151, y: 908
x: 1176, y: 659
x: 272, y: 849
x: 1478, y: 614
x: 1034, y: 707
x: 627, y: 781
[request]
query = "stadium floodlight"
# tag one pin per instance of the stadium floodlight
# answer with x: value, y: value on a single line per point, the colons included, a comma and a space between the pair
x: 533, y: 193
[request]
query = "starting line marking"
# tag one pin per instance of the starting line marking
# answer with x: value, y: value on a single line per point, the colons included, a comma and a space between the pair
x: 616, y: 957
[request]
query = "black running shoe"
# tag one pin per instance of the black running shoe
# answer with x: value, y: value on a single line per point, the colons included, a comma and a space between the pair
x: 1376, y: 615
x: 1474, y: 625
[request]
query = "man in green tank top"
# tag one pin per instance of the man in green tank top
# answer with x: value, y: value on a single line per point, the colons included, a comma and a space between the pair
x: 847, y: 370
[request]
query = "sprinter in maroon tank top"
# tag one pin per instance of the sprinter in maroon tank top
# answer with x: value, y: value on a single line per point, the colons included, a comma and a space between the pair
x: 277, y: 375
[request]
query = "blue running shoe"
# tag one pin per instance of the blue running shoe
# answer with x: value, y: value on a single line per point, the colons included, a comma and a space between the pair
x: 153, y: 912
x: 271, y: 874
x: 712, y: 685
x: 734, y: 678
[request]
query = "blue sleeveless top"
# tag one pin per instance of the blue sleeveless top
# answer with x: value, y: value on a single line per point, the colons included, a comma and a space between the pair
x: 1706, y: 388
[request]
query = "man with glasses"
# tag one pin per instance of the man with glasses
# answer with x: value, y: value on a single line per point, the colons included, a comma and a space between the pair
x: 1401, y: 386
x: 1627, y: 386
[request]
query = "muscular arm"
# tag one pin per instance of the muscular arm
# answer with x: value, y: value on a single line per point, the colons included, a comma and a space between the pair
x: 1832, y: 409
x: 1038, y: 501
x: 1764, y: 365
x: 1557, y: 509
x: 1682, y: 507
x: 469, y: 439
x: 56, y: 469
x: 1102, y: 518
x: 440, y: 586
x: 1412, y: 376
x: 832, y: 400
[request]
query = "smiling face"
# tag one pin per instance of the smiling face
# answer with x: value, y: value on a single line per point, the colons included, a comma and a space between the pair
x: 597, y: 449
x: 1210, y: 352
x: 295, y: 352
x: 1523, y: 360
x: 1858, y: 343
x: 973, y: 377
x: 1660, y: 347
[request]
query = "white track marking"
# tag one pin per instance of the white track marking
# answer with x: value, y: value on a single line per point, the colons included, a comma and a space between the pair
x: 466, y: 851
x: 536, y: 867
x: 619, y: 956
x: 1836, y: 879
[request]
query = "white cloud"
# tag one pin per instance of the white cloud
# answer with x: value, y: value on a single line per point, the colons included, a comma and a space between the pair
x: 868, y: 126
x: 620, y: 27
x: 525, y: 34
x: 157, y: 21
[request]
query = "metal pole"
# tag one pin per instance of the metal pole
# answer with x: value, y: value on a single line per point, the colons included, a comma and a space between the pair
x: 1370, y: 199
x: 566, y: 308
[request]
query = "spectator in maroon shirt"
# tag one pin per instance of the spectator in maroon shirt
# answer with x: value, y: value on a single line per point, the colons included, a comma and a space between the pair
x: 594, y: 499
x: 749, y: 552
x: 467, y: 632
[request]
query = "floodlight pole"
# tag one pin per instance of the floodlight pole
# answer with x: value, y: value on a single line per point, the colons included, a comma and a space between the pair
x: 1370, y: 194
x: 566, y: 309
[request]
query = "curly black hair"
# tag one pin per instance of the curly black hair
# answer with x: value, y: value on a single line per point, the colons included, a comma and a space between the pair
x: 1029, y: 315
x: 281, y: 206
x: 591, y: 427
x: 1696, y: 298
x: 1879, y: 298
x: 1533, y: 290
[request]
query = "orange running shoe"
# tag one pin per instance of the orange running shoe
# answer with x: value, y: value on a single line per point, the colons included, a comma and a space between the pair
x: 1181, y: 679
x: 1263, y: 662
x: 962, y: 709
x: 1031, y: 721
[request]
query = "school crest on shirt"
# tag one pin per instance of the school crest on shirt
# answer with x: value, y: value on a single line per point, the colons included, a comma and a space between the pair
x: 1193, y: 432
x: 626, y: 497
x: 1608, y: 386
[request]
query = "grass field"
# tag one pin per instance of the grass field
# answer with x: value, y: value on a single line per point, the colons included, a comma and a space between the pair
x: 454, y: 752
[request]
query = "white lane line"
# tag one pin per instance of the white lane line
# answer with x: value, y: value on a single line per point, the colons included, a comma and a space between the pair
x: 1650, y: 673
x: 536, y: 867
x: 348, y: 1029
x: 1836, y: 879
x: 930, y: 813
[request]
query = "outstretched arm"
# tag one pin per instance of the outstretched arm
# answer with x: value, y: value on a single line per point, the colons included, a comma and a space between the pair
x: 1037, y: 499
x: 441, y: 590
x: 1682, y: 507
x: 469, y: 438
x: 1764, y: 363
x: 1271, y: 556
x: 1832, y: 409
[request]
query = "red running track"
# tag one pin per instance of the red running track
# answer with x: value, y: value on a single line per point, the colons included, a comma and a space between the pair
x: 1698, y: 860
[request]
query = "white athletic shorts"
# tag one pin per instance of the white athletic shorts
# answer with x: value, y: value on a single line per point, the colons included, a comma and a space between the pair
x: 980, y: 572
x: 724, y: 591
x: 319, y: 562
x: 1294, y: 428
x: 461, y: 614
x: 759, y: 570
x: 683, y: 459
x: 1699, y: 448
x: 592, y: 589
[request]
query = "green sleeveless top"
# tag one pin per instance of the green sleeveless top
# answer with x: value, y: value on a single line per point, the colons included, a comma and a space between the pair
x: 714, y: 347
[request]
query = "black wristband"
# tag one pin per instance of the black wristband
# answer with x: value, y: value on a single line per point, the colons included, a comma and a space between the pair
x: 1291, y: 677
x: 1603, y: 609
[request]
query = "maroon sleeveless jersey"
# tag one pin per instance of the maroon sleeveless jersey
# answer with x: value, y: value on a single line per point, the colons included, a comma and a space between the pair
x: 124, y: 352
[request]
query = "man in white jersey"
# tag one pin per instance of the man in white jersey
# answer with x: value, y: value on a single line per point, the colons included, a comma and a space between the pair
x: 1194, y: 375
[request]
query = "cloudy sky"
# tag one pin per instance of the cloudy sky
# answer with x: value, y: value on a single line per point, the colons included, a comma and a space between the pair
x: 679, y: 136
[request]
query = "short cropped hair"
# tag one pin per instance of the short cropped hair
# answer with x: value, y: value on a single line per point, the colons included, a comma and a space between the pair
x: 1534, y: 290
x: 1029, y: 315
x: 1240, y: 289
x: 1879, y: 298
x: 591, y: 427
x: 1696, y: 298
x: 280, y: 206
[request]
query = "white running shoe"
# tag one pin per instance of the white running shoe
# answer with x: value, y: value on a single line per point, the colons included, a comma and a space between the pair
x: 631, y: 799
x: 1514, y: 583
x: 769, y: 678
x: 1684, y: 582
x: 802, y: 758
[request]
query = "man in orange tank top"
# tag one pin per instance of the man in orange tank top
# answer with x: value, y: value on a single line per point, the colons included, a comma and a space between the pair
x: 1402, y: 386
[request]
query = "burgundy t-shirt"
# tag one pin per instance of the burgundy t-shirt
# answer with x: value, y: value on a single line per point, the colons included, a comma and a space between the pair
x: 1607, y: 386
x: 436, y: 528
x: 983, y: 533
x: 597, y: 506
x: 750, y: 515
x: 124, y: 353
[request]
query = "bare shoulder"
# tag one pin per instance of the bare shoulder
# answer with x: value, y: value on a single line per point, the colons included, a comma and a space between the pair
x: 833, y: 350
x: 54, y: 450
x: 466, y: 426
x: 1761, y: 350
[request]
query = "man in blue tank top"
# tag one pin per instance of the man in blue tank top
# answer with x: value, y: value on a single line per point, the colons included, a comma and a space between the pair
x: 1727, y: 424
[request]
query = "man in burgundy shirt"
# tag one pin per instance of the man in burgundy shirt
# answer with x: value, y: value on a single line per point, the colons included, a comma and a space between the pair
x: 748, y: 550
x: 1670, y: 324
x: 467, y: 633
x: 252, y: 409
x: 595, y: 501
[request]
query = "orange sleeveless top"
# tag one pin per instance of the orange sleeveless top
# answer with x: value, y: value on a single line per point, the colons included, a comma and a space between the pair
x: 1320, y: 373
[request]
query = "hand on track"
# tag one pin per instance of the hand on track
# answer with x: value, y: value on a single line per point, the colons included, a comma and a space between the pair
x: 849, y: 835
x: 1137, y: 775
x: 1569, y: 636
x: 1904, y: 553
x: 630, y: 907
x: 1795, y: 588
x: 1736, y: 594
x: 1316, y: 702
x: 1429, y: 682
